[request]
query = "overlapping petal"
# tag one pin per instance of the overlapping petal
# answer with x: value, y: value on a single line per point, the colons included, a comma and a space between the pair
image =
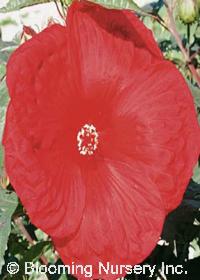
x: 107, y: 44
x: 50, y: 199
x: 122, y: 221
x: 154, y: 123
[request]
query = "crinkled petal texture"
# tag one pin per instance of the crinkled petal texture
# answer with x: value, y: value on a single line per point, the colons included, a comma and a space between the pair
x: 103, y: 69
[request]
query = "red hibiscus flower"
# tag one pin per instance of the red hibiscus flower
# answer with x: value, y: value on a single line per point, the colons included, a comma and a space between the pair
x: 101, y: 135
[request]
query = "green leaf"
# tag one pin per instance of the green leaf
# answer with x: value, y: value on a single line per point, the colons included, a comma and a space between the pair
x: 63, y: 277
x: 3, y: 106
x: 6, y: 48
x: 195, y: 92
x: 14, y: 5
x: 7, y: 21
x: 120, y: 4
x: 34, y: 253
x: 8, y: 204
x: 2, y: 70
x: 196, y: 173
x: 66, y: 2
x: 6, y: 52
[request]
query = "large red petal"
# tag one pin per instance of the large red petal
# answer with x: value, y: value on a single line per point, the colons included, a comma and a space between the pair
x: 122, y: 220
x: 107, y: 44
x: 41, y: 97
x: 44, y: 87
x: 44, y: 91
x: 154, y: 123
x: 50, y: 199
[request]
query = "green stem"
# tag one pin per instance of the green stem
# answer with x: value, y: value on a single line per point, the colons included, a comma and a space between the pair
x: 174, y: 32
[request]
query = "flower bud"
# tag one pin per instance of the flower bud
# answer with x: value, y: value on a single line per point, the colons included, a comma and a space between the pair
x: 188, y: 10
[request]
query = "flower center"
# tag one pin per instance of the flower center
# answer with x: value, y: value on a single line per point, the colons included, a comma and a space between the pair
x: 87, y: 139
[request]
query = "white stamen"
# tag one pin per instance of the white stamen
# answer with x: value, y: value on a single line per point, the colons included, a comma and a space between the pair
x: 87, y: 139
